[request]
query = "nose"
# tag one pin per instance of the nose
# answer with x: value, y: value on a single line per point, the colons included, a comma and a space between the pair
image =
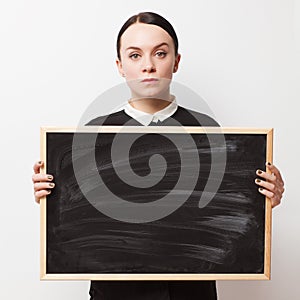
x: 149, y: 69
x: 148, y: 66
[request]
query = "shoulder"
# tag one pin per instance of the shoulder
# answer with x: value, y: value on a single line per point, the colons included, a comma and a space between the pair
x: 188, y: 117
x: 116, y: 118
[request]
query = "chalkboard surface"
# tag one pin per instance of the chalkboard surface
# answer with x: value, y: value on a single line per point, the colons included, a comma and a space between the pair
x: 215, y: 234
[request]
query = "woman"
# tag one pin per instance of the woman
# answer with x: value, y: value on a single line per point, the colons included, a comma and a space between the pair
x: 147, y: 56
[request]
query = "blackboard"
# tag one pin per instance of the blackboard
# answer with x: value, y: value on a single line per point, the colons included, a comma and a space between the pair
x: 155, y: 203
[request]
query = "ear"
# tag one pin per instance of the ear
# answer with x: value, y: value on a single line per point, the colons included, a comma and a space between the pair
x: 120, y: 67
x: 177, y: 60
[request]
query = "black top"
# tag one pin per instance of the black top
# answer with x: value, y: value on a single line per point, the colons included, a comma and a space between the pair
x: 182, y: 115
x: 155, y: 290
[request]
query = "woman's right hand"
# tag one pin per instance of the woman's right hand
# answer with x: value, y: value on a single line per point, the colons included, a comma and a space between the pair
x: 42, y: 183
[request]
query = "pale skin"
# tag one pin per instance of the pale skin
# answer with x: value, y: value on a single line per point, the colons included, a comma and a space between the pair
x: 147, y: 51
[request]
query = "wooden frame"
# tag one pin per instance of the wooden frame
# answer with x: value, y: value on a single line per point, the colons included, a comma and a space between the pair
x: 264, y: 274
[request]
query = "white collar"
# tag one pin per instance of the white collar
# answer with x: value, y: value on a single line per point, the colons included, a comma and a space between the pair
x: 146, y: 118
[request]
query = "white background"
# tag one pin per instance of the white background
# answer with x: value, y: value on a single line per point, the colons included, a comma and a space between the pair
x: 57, y: 56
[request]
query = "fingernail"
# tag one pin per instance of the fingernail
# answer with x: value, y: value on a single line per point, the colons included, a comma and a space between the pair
x: 51, y: 184
x: 261, y: 189
x: 49, y: 191
x: 49, y: 177
x: 257, y: 180
x: 259, y: 171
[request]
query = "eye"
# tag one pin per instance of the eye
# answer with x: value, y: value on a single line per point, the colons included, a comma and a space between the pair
x: 161, y: 54
x: 134, y: 56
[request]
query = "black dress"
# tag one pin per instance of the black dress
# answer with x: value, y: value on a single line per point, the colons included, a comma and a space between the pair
x: 155, y: 290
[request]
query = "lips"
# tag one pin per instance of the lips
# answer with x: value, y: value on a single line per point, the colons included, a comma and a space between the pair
x: 150, y: 80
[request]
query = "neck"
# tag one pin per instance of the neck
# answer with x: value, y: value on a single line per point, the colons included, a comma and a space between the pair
x: 149, y: 105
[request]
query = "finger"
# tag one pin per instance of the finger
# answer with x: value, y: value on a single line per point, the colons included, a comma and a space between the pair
x: 41, y: 177
x: 274, y: 199
x: 265, y: 184
x: 39, y: 194
x: 38, y: 186
x: 265, y: 175
x: 37, y: 166
x: 274, y: 170
x: 265, y: 192
x: 275, y: 195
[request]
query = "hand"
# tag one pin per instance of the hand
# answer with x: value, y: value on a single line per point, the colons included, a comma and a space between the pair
x: 272, y: 186
x: 42, y: 183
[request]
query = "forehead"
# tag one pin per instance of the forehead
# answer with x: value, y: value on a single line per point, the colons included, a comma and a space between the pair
x: 144, y: 35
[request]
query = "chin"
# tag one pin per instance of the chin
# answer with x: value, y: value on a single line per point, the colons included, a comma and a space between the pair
x: 158, y: 90
x: 153, y: 92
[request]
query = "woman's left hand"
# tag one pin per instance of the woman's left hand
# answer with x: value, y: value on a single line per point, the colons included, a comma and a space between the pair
x: 272, y: 184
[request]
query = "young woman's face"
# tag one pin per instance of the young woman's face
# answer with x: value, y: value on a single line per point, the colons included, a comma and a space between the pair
x: 148, y: 60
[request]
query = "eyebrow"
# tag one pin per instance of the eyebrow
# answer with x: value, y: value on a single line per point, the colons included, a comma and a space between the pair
x: 137, y: 48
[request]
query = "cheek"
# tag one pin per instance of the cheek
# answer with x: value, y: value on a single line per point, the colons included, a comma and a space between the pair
x: 130, y: 69
x: 166, y: 68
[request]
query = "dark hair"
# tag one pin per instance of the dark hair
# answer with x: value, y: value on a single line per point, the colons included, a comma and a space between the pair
x: 148, y: 18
